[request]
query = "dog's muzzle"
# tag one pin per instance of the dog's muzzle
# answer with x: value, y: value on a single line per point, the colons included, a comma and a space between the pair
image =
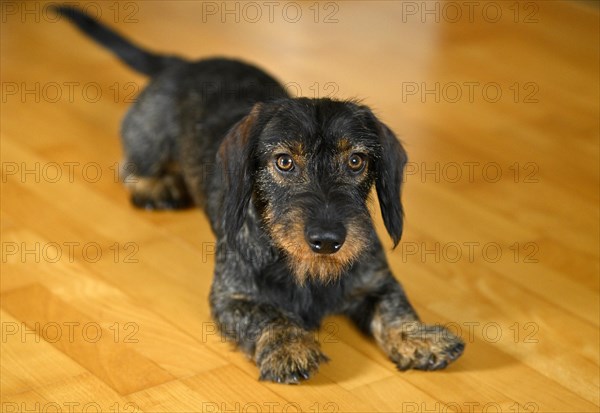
x: 325, y: 239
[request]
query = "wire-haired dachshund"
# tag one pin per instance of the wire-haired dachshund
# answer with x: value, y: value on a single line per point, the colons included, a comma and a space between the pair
x: 285, y: 183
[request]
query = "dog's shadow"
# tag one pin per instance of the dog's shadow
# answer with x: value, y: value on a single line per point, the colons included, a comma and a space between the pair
x: 353, y: 355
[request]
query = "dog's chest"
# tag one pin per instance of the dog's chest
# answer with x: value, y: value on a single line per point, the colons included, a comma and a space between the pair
x: 310, y: 302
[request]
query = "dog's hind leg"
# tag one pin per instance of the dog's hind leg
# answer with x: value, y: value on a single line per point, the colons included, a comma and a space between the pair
x: 164, y: 191
x: 151, y: 170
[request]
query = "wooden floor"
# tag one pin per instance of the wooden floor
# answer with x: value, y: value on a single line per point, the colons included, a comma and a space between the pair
x: 104, y: 307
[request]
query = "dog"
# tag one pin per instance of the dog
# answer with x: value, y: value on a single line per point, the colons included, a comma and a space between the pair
x: 285, y: 183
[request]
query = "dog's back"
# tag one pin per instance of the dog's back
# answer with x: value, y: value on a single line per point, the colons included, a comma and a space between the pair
x: 181, y: 116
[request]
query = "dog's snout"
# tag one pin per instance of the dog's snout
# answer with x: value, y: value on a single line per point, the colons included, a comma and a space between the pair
x: 325, y: 240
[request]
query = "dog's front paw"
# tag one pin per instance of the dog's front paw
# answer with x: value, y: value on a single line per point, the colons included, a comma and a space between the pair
x: 288, y: 355
x: 418, y: 346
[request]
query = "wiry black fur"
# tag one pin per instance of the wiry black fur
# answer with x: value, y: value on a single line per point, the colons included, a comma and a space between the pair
x: 209, y: 132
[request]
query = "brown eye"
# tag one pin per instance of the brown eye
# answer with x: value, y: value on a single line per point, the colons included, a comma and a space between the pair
x: 285, y: 163
x: 356, y: 162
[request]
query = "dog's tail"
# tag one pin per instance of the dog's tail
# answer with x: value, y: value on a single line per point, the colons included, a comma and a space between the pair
x: 137, y: 58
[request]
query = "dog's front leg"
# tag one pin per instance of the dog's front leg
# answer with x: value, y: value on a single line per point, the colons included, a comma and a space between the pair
x: 283, y: 351
x: 406, y: 340
x: 379, y: 306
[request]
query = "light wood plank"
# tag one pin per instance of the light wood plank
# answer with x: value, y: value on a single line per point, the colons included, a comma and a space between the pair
x: 179, y: 362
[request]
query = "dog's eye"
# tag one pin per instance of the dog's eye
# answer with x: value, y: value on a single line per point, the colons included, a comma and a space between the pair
x: 284, y: 163
x: 356, y: 162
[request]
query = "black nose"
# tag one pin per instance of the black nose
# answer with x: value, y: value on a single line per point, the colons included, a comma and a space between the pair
x: 325, y: 240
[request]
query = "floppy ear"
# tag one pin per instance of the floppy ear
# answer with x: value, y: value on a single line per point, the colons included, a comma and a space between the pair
x: 236, y: 165
x: 389, y: 179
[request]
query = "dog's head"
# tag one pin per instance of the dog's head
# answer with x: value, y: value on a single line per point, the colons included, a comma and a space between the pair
x: 309, y: 166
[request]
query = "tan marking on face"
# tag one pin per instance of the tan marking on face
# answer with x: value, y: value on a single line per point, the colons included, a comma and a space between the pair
x: 343, y: 145
x: 306, y: 264
x: 345, y: 150
x: 295, y: 150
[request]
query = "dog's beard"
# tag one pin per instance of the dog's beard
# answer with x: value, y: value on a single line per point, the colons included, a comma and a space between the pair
x: 304, y: 263
x: 324, y: 268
